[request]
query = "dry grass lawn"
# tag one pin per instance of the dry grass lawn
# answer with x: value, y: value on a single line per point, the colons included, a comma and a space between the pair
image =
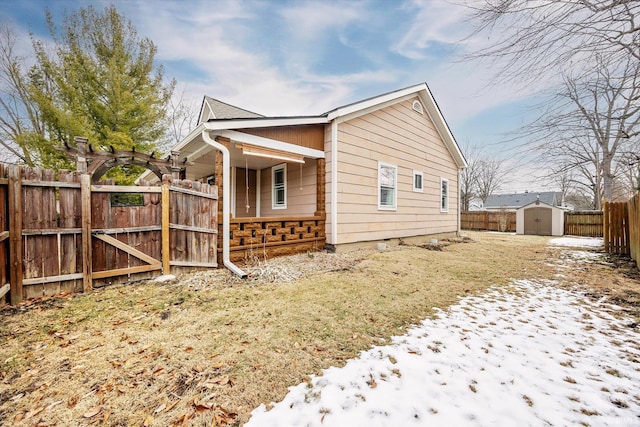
x: 207, y: 349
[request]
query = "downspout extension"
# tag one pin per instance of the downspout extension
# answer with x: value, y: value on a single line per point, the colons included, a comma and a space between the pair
x: 226, y: 194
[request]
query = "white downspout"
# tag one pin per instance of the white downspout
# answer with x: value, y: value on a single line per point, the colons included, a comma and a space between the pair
x: 226, y: 193
x: 334, y: 182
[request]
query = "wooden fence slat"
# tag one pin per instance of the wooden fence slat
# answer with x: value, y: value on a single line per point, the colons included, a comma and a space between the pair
x: 4, y: 289
x: 166, y: 247
x: 15, y: 233
x: 85, y: 189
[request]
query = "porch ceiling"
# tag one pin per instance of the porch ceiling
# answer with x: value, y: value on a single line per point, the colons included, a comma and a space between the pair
x: 203, y: 155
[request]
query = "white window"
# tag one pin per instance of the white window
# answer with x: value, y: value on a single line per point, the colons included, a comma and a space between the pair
x: 417, y: 181
x: 444, y: 195
x: 387, y: 186
x: 279, y: 186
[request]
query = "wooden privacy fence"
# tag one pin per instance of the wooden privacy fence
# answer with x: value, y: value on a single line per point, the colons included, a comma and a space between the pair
x: 490, y: 221
x: 585, y: 223
x: 616, y: 227
x: 633, y: 210
x: 69, y: 235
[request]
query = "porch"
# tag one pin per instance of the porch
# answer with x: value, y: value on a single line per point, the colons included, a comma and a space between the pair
x: 276, y: 195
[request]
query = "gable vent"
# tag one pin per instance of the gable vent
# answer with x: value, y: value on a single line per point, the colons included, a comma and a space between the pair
x: 417, y: 106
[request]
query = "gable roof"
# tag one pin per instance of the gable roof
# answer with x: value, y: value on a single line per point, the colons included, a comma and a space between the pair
x: 226, y: 116
x: 221, y: 110
x: 518, y: 200
x: 359, y: 108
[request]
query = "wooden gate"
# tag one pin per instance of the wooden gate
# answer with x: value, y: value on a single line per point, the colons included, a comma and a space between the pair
x: 67, y: 235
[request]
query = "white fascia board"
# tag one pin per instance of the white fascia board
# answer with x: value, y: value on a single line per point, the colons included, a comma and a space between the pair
x: 262, y: 123
x: 374, y: 103
x: 260, y: 141
x: 190, y: 137
x: 441, y: 125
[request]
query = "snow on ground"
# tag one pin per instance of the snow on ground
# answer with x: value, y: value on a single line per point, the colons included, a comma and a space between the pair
x: 528, y: 354
x: 577, y: 242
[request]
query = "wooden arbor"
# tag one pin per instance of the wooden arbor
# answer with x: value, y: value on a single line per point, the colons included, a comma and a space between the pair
x: 92, y: 165
x: 97, y: 163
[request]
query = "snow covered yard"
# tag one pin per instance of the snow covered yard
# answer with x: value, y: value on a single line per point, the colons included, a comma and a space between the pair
x: 528, y: 354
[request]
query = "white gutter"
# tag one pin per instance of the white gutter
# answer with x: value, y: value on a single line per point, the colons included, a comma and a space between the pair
x: 226, y: 197
x: 334, y: 182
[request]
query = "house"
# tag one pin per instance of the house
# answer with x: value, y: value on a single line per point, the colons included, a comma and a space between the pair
x: 377, y: 170
x: 512, y: 202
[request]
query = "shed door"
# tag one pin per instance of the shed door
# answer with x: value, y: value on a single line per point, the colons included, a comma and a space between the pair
x: 537, y: 220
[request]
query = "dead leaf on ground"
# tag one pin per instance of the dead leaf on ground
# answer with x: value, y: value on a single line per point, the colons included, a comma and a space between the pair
x: 372, y: 382
x: 202, y: 407
x: 222, y: 416
x: 92, y: 412
x: 34, y: 412
x: 72, y: 401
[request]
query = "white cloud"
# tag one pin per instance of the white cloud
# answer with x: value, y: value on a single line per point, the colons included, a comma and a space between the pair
x: 435, y: 22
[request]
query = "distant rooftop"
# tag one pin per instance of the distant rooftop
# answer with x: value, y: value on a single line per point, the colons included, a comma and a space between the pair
x: 517, y: 200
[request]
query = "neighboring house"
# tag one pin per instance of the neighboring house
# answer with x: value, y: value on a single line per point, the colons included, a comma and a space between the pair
x: 378, y: 170
x: 514, y: 201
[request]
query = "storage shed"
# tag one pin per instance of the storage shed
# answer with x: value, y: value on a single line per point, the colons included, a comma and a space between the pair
x: 541, y: 219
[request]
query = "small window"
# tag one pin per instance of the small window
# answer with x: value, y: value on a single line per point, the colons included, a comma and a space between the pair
x: 417, y: 106
x: 127, y: 199
x: 387, y: 186
x: 444, y: 195
x: 279, y: 185
x: 417, y: 181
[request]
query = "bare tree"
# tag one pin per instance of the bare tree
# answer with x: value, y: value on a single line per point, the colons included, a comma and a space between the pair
x: 533, y: 39
x: 21, y: 124
x: 591, y: 123
x: 468, y: 176
x: 490, y: 175
x: 583, y: 56
x: 182, y: 116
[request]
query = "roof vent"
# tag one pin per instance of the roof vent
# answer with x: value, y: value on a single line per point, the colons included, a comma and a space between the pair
x: 417, y: 106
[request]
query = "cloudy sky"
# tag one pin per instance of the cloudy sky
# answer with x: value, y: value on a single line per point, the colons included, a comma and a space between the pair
x: 280, y: 57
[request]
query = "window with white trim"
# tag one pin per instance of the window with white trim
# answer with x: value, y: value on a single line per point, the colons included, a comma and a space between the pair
x: 387, y: 186
x: 279, y: 186
x: 444, y: 195
x: 418, y: 178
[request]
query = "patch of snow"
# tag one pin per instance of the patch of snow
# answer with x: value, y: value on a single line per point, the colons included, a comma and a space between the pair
x: 577, y: 242
x: 530, y: 353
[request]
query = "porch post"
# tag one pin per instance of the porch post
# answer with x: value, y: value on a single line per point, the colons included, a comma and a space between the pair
x: 320, y: 188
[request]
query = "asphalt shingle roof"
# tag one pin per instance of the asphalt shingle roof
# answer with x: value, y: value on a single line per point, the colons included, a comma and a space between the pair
x: 222, y: 110
x: 521, y: 199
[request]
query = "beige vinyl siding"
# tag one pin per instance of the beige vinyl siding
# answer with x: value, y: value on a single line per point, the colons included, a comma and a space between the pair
x: 400, y: 136
x: 301, y: 196
x: 241, y: 193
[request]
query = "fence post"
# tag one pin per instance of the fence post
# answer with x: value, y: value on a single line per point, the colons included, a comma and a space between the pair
x: 16, y: 273
x: 605, y: 226
x: 166, y: 248
x: 85, y: 201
